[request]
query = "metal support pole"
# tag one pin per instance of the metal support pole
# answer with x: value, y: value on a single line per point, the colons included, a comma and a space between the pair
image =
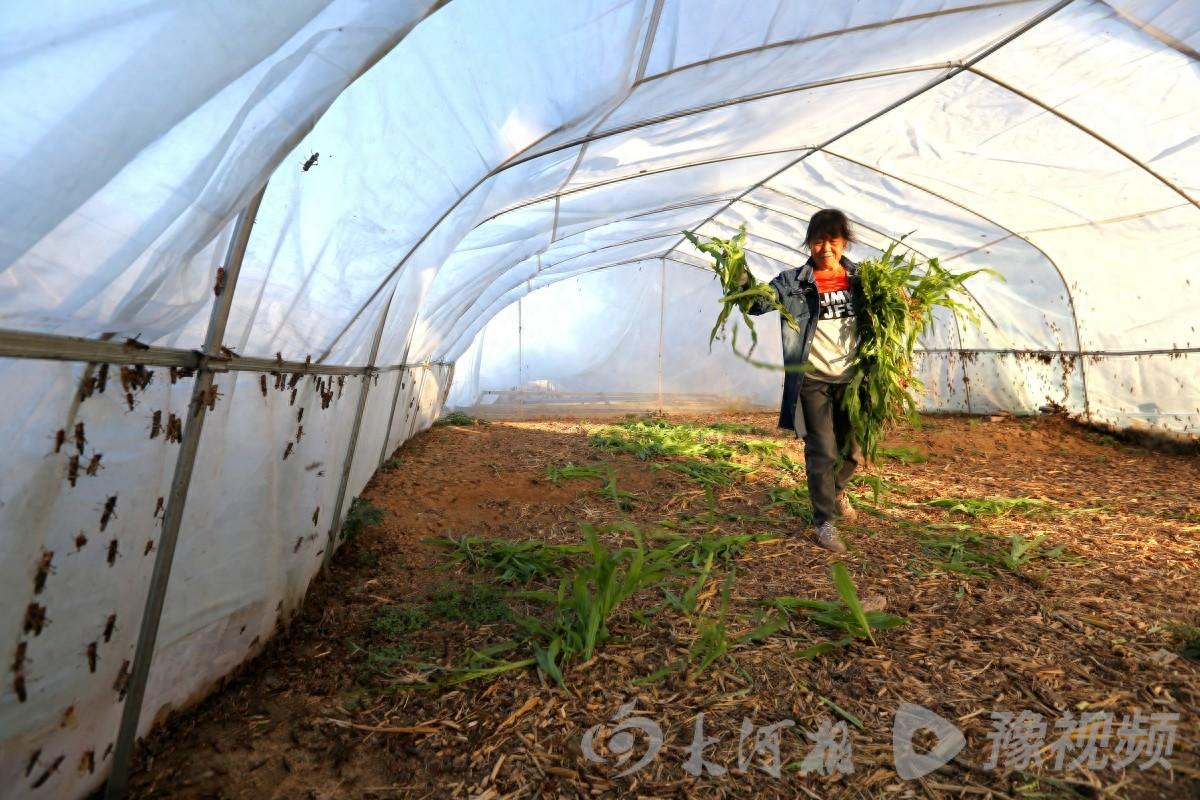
x: 404, y: 370
x: 118, y: 781
x: 412, y: 422
x: 520, y: 359
x: 336, y: 528
x: 662, y: 310
x: 383, y: 450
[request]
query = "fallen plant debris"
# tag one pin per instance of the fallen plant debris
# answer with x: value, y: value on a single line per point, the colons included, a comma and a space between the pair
x: 471, y: 531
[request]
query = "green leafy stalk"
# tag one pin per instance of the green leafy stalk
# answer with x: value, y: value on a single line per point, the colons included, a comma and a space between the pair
x: 899, y: 297
x: 739, y: 288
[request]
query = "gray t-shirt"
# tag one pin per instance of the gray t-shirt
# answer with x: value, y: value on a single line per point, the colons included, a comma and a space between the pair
x: 835, y: 342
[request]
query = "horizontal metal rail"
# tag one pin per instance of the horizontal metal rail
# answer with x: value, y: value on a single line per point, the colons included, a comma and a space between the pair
x: 1181, y: 351
x: 54, y: 347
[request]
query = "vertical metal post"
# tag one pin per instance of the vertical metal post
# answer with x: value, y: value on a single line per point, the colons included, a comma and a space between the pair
x: 412, y: 422
x: 400, y: 375
x: 662, y: 310
x: 118, y: 781
x: 336, y: 527
x: 404, y: 370
x: 520, y: 359
x: 400, y: 380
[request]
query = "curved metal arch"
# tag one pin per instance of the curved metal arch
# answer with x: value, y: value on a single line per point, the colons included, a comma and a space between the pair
x: 1154, y: 32
x: 932, y: 84
x: 525, y: 154
x: 528, y: 153
x: 458, y: 345
x: 505, y: 272
x: 645, y: 174
x: 831, y: 35
x: 511, y: 161
x: 596, y: 135
x: 548, y: 270
x: 1087, y: 131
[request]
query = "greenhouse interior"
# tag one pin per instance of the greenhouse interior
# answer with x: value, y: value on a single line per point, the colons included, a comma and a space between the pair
x: 370, y: 434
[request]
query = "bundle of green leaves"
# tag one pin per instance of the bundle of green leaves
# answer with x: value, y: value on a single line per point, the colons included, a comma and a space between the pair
x: 899, y: 297
x: 739, y: 288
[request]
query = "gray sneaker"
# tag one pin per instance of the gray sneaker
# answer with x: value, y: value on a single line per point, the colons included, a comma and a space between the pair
x: 827, y: 537
x: 844, y: 509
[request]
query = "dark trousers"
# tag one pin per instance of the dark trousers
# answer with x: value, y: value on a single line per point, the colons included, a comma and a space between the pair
x: 827, y: 436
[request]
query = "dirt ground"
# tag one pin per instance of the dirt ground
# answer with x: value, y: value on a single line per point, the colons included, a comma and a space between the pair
x: 328, y: 709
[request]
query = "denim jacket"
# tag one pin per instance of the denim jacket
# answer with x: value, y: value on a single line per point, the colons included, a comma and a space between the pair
x: 796, y: 290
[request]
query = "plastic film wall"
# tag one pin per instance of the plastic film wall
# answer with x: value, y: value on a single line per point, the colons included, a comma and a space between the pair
x: 501, y: 187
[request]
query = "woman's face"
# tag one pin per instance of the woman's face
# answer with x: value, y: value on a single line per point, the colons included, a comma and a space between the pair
x: 827, y: 253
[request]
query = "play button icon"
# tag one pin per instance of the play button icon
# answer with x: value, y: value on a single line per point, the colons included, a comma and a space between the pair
x: 911, y: 718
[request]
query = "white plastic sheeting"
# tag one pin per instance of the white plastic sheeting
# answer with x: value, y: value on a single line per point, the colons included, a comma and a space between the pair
x: 503, y: 185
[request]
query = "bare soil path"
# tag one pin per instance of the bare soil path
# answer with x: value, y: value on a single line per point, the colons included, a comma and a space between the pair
x: 1098, y: 627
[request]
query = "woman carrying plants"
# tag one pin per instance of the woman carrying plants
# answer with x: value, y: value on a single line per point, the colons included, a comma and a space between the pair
x: 849, y: 344
x: 824, y: 298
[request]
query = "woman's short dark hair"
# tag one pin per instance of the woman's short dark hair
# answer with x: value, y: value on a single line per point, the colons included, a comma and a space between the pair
x: 828, y: 223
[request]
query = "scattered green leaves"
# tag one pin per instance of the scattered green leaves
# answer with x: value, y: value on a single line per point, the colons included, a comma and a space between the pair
x: 459, y: 418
